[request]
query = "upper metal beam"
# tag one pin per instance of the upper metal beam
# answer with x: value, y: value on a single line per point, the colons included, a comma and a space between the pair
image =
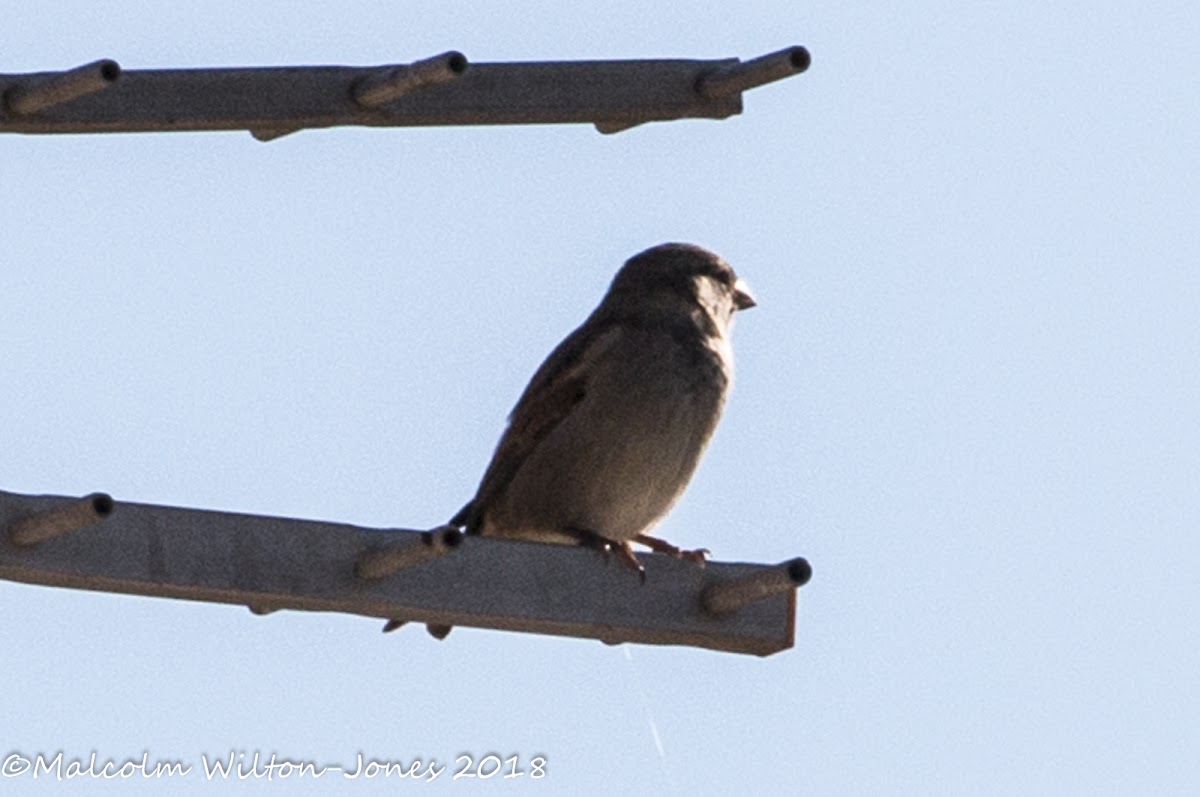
x: 439, y: 578
x: 446, y: 89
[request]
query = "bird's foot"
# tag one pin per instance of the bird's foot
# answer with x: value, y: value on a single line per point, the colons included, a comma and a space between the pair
x: 625, y: 556
x: 662, y: 546
x: 590, y: 539
x: 623, y: 550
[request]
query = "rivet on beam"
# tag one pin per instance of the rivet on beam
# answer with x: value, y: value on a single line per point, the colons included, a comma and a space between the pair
x: 63, y: 87
x: 727, y: 597
x: 272, y: 133
x: 379, y: 89
x: 64, y: 520
x: 381, y: 562
x: 438, y: 631
x: 735, y: 79
x: 608, y: 128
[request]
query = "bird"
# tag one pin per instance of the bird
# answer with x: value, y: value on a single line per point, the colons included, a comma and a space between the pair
x: 607, y: 434
x: 610, y: 429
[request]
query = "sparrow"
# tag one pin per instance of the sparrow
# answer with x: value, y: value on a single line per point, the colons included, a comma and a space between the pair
x: 608, y: 432
x: 611, y: 427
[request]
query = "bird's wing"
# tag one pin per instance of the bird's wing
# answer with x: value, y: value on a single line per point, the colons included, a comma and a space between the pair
x: 557, y: 388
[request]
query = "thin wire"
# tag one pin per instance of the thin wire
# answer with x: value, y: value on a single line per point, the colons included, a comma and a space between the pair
x: 636, y: 678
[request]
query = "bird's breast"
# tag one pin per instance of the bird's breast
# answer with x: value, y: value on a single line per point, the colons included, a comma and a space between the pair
x: 626, y: 451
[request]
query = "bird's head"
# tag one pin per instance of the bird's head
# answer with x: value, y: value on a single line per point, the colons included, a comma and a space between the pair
x: 682, y: 278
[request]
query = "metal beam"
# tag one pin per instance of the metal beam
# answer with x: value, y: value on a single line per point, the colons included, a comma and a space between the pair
x: 438, y: 577
x: 443, y: 90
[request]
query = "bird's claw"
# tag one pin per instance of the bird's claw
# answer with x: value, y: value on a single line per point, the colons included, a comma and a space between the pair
x: 626, y: 557
x: 662, y: 546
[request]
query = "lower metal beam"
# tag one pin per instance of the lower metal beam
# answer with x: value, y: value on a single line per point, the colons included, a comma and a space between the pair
x: 437, y: 578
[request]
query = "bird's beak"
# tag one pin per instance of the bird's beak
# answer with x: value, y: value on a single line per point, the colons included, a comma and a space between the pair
x: 742, y: 298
